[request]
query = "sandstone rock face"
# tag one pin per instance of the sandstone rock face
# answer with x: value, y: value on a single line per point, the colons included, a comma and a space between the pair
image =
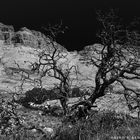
x: 41, y: 39
x: 24, y: 37
x: 6, y: 33
x: 30, y: 38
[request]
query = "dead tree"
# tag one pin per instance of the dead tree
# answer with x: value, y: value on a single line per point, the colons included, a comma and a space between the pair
x: 116, y: 58
x: 53, y: 63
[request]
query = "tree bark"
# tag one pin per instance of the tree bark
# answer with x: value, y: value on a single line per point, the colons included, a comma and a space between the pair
x: 63, y: 102
x: 98, y: 92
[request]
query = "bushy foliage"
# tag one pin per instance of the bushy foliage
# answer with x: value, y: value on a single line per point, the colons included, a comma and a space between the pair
x: 8, y: 118
x: 101, y: 126
x: 37, y: 96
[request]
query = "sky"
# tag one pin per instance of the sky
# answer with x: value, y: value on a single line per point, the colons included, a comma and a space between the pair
x: 78, y: 15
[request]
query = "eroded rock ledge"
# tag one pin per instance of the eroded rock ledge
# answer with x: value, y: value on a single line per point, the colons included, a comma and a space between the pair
x: 24, y: 36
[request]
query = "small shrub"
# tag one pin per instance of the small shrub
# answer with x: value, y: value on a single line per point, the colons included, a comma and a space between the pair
x: 36, y: 95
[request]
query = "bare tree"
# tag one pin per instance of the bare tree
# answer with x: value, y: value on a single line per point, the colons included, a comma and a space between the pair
x: 116, y: 58
x: 53, y: 62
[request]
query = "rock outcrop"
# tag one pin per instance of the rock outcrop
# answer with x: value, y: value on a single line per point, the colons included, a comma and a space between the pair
x: 6, y: 33
x: 24, y: 36
x: 30, y: 38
